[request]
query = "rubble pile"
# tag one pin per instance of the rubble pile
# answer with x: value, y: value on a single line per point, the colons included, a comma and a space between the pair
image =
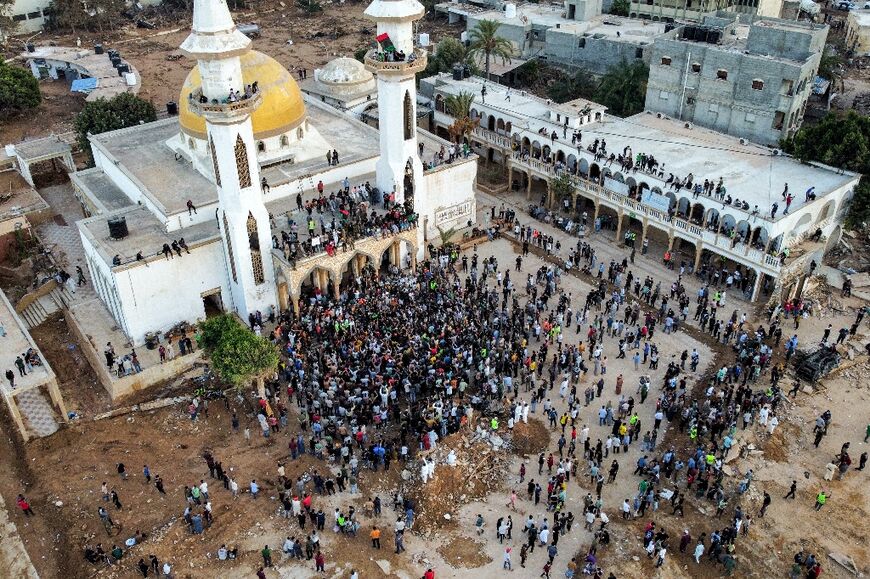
x: 530, y: 438
x: 469, y: 465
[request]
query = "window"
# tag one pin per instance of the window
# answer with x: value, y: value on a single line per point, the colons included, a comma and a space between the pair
x: 191, y: 145
x: 409, y: 117
x: 638, y: 52
x: 690, y: 100
x: 663, y: 95
x: 787, y: 87
x: 300, y: 132
x: 696, y: 67
x: 285, y: 142
x: 242, y: 163
x: 722, y: 74
x: 32, y: 15
x: 230, y: 248
x: 19, y: 18
x: 666, y: 61
x: 757, y: 84
x: 217, y: 172
x: 581, y: 43
x: 261, y: 146
x: 778, y: 120
x: 256, y: 258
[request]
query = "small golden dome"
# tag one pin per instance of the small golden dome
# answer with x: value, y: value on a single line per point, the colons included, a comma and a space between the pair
x: 281, y: 110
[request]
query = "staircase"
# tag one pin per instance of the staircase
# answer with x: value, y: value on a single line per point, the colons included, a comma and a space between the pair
x: 45, y: 305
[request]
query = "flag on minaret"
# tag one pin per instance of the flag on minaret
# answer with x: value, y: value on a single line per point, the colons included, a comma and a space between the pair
x: 385, y: 42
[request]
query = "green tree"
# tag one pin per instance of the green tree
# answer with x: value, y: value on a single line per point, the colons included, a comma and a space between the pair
x: 841, y: 140
x: 101, y: 115
x: 19, y: 90
x: 620, y: 7
x: 623, y: 88
x: 581, y: 85
x: 237, y: 355
x: 562, y: 186
x: 486, y: 41
x: 458, y: 106
x: 529, y: 73
x: 447, y: 53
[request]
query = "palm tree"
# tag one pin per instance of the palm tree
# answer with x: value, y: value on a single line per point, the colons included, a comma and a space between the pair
x: 623, y: 88
x: 485, y: 39
x: 459, y: 107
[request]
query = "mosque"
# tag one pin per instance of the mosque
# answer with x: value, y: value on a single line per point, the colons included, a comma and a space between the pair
x: 218, y: 184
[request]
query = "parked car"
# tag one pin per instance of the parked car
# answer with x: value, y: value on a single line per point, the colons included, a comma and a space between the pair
x: 845, y: 5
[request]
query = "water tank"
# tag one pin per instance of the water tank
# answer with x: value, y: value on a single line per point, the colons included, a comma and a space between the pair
x: 112, y: 53
x: 98, y: 48
x: 424, y: 39
x: 123, y: 69
x: 172, y: 108
x: 10, y: 150
x: 701, y: 34
x: 31, y: 47
x: 510, y: 10
x: 118, y: 228
x: 714, y: 36
x: 116, y: 60
x: 463, y: 36
x: 130, y: 78
x: 466, y: 71
x: 669, y: 26
x: 457, y: 72
x: 689, y: 32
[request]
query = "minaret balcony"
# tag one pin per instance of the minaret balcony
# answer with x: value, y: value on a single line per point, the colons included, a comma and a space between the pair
x: 223, y: 111
x: 386, y: 63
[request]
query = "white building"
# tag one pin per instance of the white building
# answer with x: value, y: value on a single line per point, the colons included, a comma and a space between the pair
x: 198, y: 177
x: 533, y: 138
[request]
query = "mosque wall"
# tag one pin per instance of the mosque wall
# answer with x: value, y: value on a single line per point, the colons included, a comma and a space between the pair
x: 164, y: 292
x: 449, y: 197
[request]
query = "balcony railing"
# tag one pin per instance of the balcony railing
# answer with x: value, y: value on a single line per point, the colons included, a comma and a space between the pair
x: 740, y: 251
x: 379, y: 63
x: 217, y: 111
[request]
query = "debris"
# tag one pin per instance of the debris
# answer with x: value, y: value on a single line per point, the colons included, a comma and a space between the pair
x: 845, y: 562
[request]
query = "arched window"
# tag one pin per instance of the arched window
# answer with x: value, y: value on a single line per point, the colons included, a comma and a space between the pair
x: 300, y: 133
x: 230, y: 248
x: 217, y: 172
x: 285, y: 142
x: 261, y: 146
x: 242, y: 163
x: 409, y: 116
x: 256, y: 258
x: 191, y: 145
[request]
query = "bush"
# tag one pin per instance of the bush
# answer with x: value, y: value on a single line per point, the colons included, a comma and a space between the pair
x: 100, y: 116
x: 19, y: 90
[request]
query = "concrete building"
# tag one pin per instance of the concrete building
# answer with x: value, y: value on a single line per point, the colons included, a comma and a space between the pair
x: 858, y: 32
x: 199, y: 177
x: 750, y: 81
x: 740, y: 228
x: 30, y: 15
x: 694, y: 10
x: 576, y: 34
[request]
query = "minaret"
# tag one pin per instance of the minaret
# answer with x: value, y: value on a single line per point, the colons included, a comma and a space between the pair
x: 216, y: 44
x: 397, y: 94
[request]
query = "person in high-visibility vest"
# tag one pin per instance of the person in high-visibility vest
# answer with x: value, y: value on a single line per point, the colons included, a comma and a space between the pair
x: 821, y: 498
x: 494, y: 423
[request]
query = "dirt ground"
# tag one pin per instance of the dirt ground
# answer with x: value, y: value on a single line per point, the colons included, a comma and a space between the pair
x: 340, y: 30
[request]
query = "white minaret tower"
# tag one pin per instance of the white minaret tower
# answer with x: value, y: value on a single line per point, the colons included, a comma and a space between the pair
x: 397, y: 95
x: 216, y: 44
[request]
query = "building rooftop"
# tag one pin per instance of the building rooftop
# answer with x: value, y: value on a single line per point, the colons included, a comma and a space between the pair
x: 146, y: 234
x: 15, y: 343
x: 39, y: 149
x: 751, y: 173
x: 101, y: 189
x: 97, y: 66
x: 861, y: 17
x: 142, y: 154
x: 615, y: 28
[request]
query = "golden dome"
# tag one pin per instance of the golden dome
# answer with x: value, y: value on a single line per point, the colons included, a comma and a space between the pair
x: 282, y: 108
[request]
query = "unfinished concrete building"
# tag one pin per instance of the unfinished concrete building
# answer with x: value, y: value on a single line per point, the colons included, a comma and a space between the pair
x: 750, y: 81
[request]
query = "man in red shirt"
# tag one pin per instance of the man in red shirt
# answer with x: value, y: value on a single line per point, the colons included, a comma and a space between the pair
x: 25, y: 506
x: 429, y: 574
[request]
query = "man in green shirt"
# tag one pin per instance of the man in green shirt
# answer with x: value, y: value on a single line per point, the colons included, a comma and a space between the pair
x: 267, y: 556
x: 117, y: 552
